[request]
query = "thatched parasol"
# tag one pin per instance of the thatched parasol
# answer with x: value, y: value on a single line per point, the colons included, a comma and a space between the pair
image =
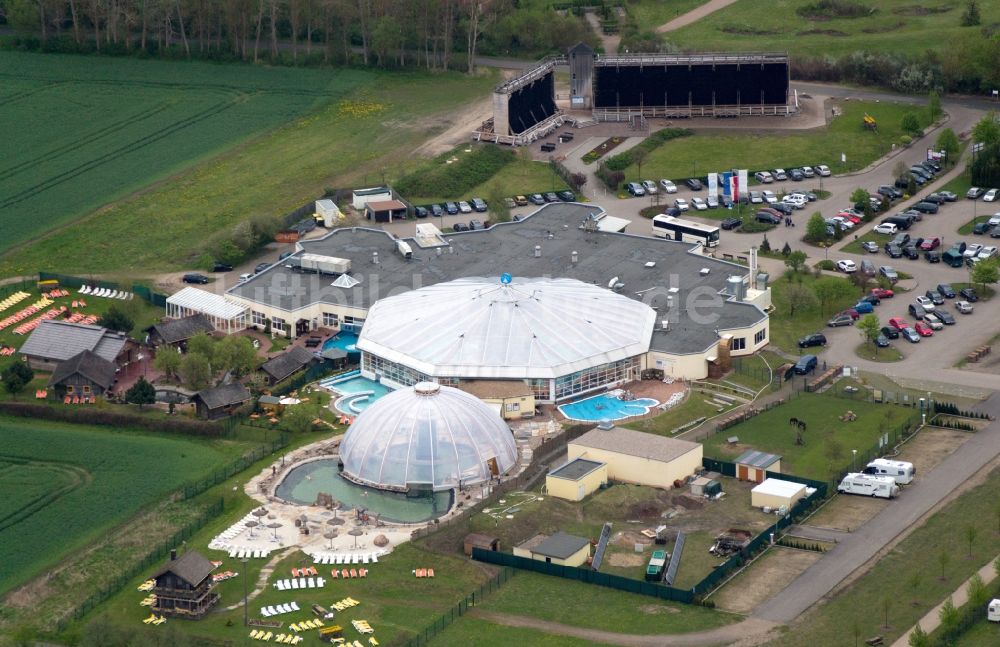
x: 356, y: 532
x: 251, y: 525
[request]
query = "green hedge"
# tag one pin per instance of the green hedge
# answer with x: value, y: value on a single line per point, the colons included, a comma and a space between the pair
x: 623, y: 160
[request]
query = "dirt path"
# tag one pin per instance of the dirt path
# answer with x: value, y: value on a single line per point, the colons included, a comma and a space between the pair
x: 721, y: 636
x: 262, y: 579
x: 609, y: 42
x: 694, y: 15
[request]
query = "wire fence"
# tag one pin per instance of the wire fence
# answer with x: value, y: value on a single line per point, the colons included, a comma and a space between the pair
x: 235, y: 467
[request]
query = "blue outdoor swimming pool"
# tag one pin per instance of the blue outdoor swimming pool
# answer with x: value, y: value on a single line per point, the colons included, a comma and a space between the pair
x: 356, y: 392
x: 343, y: 340
x: 606, y: 406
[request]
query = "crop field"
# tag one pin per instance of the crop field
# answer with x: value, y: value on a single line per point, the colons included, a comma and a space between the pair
x: 64, y: 485
x: 84, y: 131
x: 796, y: 26
x: 700, y: 154
x: 324, y: 128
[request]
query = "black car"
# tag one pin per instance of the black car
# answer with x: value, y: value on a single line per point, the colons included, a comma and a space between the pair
x: 437, y: 210
x: 894, y: 251
x: 982, y: 228
x: 783, y: 208
x: 219, y: 266
x: 731, y: 223
x: 872, y: 299
x: 926, y: 207
x: 932, y: 256
x: 945, y: 316
x: 796, y: 175
x: 969, y: 295
x: 479, y: 205
x: 815, y: 339
x: 451, y: 208
x: 768, y: 218
x: 420, y: 212
x: 900, y: 239
x: 946, y: 291
x: 882, y: 341
x: 936, y: 198
x: 911, y: 253
x: 195, y: 278
x: 726, y: 202
x: 261, y: 267
x: 890, y: 332
x: 890, y: 192
x: 566, y: 196
x: 935, y: 297
x: 694, y: 184
x: 458, y: 226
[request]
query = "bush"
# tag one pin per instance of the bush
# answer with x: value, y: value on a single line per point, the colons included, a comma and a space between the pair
x: 612, y: 179
x: 831, y: 9
x: 107, y: 418
x: 754, y: 227
x: 452, y: 181
x: 827, y: 265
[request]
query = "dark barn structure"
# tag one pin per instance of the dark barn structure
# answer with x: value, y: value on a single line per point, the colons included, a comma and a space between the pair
x: 184, y: 587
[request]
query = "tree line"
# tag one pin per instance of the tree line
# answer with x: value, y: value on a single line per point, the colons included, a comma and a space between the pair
x: 436, y: 34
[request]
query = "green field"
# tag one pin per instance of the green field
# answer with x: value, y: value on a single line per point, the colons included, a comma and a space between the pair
x: 65, y: 485
x: 470, y: 630
x: 828, y: 441
x: 787, y: 329
x: 334, y: 128
x: 84, y: 131
x: 899, y: 26
x: 697, y: 155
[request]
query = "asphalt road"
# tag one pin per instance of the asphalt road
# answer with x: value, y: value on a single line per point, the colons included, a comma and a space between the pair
x: 858, y: 547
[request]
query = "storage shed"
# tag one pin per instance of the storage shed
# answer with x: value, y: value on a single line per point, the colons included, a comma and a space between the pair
x: 361, y: 197
x: 560, y: 548
x: 575, y: 480
x: 638, y: 457
x: 329, y: 212
x: 704, y: 486
x: 776, y: 493
x: 385, y: 211
x: 752, y: 465
x: 476, y: 540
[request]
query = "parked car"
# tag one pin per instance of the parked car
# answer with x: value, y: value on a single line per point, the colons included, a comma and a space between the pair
x: 806, y: 364
x: 538, y: 199
x: 991, y: 195
x: 974, y: 193
x: 808, y: 171
x: 987, y: 252
x: 926, y: 207
x: 475, y: 225
x: 681, y: 204
x: 219, y: 266
x: 756, y: 197
x: 923, y: 329
x: 964, y: 307
x: 650, y: 186
x: 890, y: 332
x: 521, y: 200
x: 916, y: 311
x: 712, y: 202
x: 910, y: 251
x: 479, y: 205
x: 438, y: 210
x: 889, y: 273
x: 769, y: 197
x: 815, y: 339
x: 935, y: 297
x: 284, y: 255
x: 551, y: 197
x: 779, y: 174
x: 796, y: 175
x: 864, y: 307
x: 635, y: 189
x: 948, y: 196
x: 910, y: 335
x: 847, y: 265
x: 668, y: 186
x: 969, y: 295
x: 995, y: 232
x: 260, y: 267
x: 195, y: 278
x: 872, y: 299
x: 822, y: 170
x: 932, y: 257
x: 246, y: 276
x: 464, y: 207
x: 945, y: 290
x: 422, y: 212
x: 867, y: 267
x: 763, y: 177
x: 882, y: 293
x: 982, y: 228
x: 890, y: 192
x: 768, y: 218
x: 972, y: 250
x: 898, y: 323
x: 887, y: 228
x: 840, y: 320
x: 930, y: 243
x: 870, y: 246
x: 882, y: 341
x: 452, y: 208
x: 797, y: 200
x: 566, y: 196
x: 694, y: 184
x: 698, y: 204
x: 509, y: 203
x: 731, y: 223
x: 894, y: 251
x: 926, y: 303
x: 944, y: 317
x: 936, y: 198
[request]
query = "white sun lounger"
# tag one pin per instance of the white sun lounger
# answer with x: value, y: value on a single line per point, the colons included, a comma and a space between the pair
x: 280, y: 585
x: 320, y: 582
x: 294, y: 605
x: 364, y: 558
x: 266, y: 612
x: 374, y: 558
x: 355, y: 559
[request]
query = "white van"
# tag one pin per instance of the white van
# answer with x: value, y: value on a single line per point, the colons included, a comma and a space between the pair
x: 900, y: 471
x: 883, y: 487
x: 993, y: 610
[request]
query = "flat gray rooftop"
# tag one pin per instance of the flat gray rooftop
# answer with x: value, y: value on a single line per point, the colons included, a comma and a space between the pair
x: 697, y: 311
x: 576, y: 469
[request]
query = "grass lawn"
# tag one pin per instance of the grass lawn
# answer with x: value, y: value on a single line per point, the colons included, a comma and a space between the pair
x: 897, y: 26
x: 982, y: 633
x: 696, y: 405
x: 787, y: 330
x: 700, y: 154
x: 359, y: 126
x: 854, y: 247
x: 828, y: 441
x: 544, y: 597
x: 90, y: 130
x: 909, y: 577
x: 868, y: 351
x: 517, y: 178
x: 470, y: 630
x: 65, y: 485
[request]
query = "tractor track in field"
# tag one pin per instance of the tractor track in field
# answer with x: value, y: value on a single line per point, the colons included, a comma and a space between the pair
x: 135, y: 145
x: 27, y: 93
x: 76, y: 476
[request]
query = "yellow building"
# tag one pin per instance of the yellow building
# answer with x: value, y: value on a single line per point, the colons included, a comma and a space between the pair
x: 753, y: 465
x: 560, y: 548
x: 575, y: 480
x: 638, y: 457
x: 776, y: 493
x: 512, y: 398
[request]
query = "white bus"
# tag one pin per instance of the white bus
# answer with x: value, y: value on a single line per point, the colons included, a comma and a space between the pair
x: 687, y: 231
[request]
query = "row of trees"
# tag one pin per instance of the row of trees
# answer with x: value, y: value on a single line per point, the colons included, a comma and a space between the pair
x: 382, y: 32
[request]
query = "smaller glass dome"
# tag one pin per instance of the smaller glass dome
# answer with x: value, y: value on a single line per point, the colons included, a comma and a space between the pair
x: 427, y: 436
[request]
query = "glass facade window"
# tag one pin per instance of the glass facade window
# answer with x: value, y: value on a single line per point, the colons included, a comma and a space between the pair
x: 540, y: 389
x: 391, y: 370
x: 738, y: 343
x: 760, y: 336
x: 277, y: 324
x: 596, y: 377
x: 258, y: 318
x: 331, y: 320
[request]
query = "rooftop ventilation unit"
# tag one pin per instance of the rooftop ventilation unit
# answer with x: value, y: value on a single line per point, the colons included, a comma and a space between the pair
x: 538, y: 251
x: 574, y: 257
x: 664, y: 324
x: 650, y: 264
x: 704, y: 271
x: 612, y: 282
x: 375, y: 258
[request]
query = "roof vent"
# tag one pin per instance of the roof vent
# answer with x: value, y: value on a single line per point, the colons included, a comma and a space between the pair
x: 574, y: 257
x: 617, y: 287
x: 451, y: 250
x: 538, y: 251
x: 612, y: 282
x: 438, y: 250
x: 551, y: 235
x: 664, y: 324
x: 704, y: 271
x: 650, y: 264
x: 375, y: 257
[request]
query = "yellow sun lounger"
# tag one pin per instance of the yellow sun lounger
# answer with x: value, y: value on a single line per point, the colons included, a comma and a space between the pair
x: 373, y: 642
x: 160, y: 620
x: 255, y: 633
x: 151, y: 618
x: 267, y: 636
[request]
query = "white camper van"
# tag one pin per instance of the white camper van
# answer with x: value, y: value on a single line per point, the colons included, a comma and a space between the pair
x: 881, y: 486
x: 993, y: 610
x: 901, y: 471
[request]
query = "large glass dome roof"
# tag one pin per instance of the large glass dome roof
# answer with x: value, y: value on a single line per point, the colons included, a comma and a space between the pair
x: 426, y: 435
x: 512, y: 329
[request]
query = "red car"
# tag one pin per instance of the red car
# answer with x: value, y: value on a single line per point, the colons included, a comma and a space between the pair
x: 930, y: 243
x: 882, y: 293
x: 851, y: 312
x: 898, y: 323
x: 923, y: 329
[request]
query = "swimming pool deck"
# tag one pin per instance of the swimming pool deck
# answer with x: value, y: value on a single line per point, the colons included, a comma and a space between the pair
x: 652, y: 389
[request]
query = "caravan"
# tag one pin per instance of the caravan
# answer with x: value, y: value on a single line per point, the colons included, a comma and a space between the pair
x: 901, y: 471
x: 879, y: 486
x: 993, y: 611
